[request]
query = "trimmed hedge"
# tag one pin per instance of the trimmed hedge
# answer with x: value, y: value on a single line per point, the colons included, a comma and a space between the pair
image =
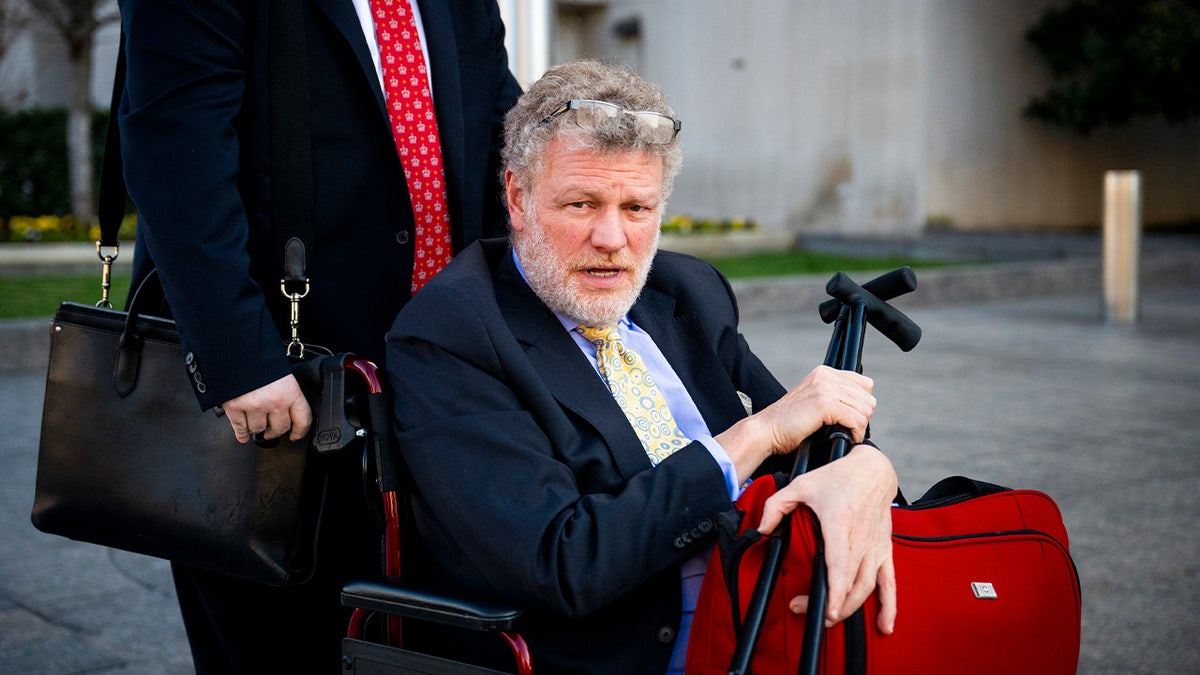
x: 33, y: 161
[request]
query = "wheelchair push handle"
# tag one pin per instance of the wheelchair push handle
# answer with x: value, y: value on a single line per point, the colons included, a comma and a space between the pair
x: 885, y: 287
x: 886, y: 319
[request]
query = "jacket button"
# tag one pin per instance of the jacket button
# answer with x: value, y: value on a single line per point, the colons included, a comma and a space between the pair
x: 705, y: 526
x: 402, y: 237
x: 665, y: 635
x: 679, y: 543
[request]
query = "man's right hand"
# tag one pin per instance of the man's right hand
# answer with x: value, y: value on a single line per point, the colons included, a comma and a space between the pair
x: 272, y: 410
x: 824, y: 397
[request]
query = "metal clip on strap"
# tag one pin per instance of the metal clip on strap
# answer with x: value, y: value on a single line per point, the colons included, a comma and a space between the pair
x: 291, y: 285
x: 106, y: 271
x: 295, y: 348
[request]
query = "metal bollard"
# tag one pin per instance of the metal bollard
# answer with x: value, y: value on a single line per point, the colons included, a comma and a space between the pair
x: 1122, y: 244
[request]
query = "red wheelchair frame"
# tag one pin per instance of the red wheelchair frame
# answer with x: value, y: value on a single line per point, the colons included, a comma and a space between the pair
x: 390, y: 595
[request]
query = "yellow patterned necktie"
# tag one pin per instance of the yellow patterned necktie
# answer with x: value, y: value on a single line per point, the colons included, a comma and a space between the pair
x: 636, y: 393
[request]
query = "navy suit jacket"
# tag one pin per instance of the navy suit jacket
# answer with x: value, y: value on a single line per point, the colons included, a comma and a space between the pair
x: 194, y: 123
x: 532, y: 487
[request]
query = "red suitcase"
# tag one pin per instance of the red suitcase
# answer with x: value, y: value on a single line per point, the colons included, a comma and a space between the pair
x: 985, y: 584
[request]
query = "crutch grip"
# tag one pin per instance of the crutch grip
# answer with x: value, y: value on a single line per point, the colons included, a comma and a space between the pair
x: 885, y: 287
x: 887, y: 319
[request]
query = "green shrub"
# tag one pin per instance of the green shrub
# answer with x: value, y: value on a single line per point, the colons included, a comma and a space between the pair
x: 60, y: 228
x: 684, y: 224
x: 33, y: 162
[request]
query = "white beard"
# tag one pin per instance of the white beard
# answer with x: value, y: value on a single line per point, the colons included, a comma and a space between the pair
x: 552, y: 278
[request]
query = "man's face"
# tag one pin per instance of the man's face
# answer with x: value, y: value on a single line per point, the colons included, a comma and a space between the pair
x: 588, y: 230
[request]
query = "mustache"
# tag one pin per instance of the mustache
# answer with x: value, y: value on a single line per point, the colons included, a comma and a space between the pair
x: 619, y: 260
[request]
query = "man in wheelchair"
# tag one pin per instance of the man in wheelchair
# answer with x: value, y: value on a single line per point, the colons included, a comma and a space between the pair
x: 578, y: 410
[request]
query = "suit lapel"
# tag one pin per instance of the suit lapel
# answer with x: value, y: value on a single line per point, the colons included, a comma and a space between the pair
x: 442, y: 46
x: 564, y: 369
x: 341, y: 13
x: 693, y: 360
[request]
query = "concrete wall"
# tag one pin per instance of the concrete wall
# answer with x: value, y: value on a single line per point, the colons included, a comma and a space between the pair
x: 788, y: 120
x: 987, y: 166
x: 857, y: 117
x: 874, y: 116
x: 33, y: 72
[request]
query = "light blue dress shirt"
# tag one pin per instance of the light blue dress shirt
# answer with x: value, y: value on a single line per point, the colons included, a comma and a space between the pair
x: 687, y: 417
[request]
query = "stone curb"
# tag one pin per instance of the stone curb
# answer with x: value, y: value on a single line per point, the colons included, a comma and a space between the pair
x: 59, y: 258
x: 982, y: 283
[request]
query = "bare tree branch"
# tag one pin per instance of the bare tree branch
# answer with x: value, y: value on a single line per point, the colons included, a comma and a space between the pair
x: 14, y: 18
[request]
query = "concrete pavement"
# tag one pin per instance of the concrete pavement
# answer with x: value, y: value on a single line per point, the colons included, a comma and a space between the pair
x: 1034, y: 391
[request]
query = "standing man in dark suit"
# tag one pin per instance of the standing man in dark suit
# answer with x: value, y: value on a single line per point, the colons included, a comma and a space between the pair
x: 196, y: 127
x: 581, y: 486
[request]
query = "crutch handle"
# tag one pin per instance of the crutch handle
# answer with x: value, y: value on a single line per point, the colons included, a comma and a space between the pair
x: 887, y: 319
x: 885, y: 287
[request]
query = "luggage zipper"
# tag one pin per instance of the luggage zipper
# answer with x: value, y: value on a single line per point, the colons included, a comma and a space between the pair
x: 1004, y: 533
x: 975, y: 535
x: 938, y: 502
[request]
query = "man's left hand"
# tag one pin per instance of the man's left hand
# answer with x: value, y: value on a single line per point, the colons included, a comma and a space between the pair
x: 852, y: 499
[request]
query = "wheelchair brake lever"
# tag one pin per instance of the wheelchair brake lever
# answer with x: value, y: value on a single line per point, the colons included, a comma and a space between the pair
x: 334, y: 430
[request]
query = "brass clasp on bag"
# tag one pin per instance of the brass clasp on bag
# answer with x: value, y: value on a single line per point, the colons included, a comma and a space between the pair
x: 106, y: 271
x: 295, y: 348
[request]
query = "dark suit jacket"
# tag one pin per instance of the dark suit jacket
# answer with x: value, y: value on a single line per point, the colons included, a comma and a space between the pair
x: 531, y: 485
x: 194, y: 124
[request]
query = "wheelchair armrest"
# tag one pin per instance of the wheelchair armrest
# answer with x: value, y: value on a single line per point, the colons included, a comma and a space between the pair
x: 395, y: 596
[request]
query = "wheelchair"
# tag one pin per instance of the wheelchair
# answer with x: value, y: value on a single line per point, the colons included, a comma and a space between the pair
x: 374, y: 642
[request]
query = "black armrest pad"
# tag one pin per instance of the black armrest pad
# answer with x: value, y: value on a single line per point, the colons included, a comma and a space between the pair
x: 395, y: 596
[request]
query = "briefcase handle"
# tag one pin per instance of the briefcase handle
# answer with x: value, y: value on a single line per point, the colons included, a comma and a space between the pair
x: 129, y: 347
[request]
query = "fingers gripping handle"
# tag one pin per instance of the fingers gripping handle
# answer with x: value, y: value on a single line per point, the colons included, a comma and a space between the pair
x: 885, y: 287
x: 886, y: 319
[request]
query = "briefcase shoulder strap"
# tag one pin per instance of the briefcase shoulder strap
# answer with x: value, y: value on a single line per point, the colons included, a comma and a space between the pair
x: 291, y: 161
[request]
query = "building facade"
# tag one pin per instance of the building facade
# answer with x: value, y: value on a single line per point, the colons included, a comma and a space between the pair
x: 854, y: 117
x: 871, y: 117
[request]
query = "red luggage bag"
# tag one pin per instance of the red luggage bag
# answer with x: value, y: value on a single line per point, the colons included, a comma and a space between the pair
x: 985, y: 584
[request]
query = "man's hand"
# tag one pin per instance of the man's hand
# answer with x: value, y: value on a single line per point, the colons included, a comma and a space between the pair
x: 852, y: 498
x: 824, y: 397
x: 271, y: 410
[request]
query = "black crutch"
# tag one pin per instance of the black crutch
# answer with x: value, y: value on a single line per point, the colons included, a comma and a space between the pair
x: 854, y: 307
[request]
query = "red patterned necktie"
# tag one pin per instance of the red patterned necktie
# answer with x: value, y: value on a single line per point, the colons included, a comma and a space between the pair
x: 415, y: 130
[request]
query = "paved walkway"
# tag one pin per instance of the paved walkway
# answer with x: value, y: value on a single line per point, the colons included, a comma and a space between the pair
x: 1035, y: 392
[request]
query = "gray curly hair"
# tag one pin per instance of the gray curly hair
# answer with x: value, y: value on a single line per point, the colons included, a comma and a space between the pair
x: 527, y: 131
